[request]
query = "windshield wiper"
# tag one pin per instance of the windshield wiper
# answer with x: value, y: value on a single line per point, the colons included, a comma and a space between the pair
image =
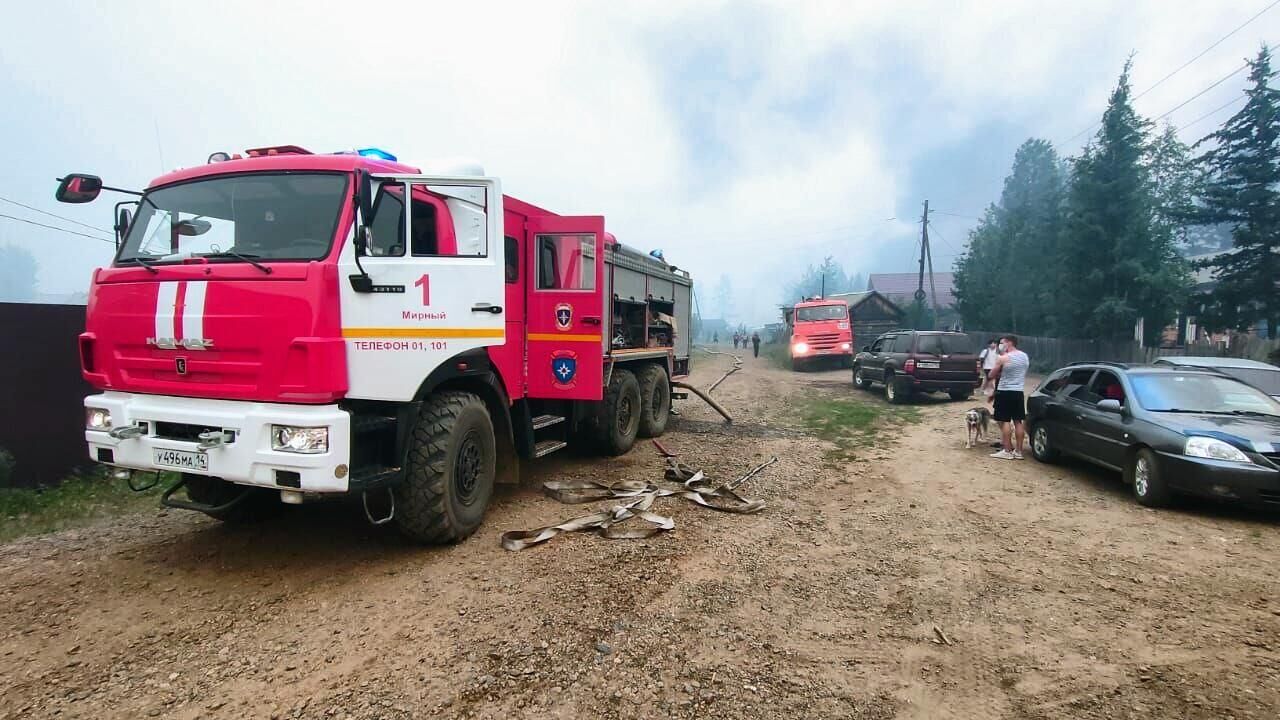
x: 1253, y: 413
x: 144, y: 263
x: 241, y: 257
x: 1193, y: 412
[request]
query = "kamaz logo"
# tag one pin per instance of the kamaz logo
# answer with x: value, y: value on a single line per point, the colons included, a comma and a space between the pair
x: 168, y: 343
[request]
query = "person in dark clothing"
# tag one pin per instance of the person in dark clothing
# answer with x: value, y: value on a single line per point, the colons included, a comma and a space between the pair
x: 755, y: 344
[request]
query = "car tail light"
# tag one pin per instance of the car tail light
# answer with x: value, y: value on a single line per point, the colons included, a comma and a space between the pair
x: 909, y: 366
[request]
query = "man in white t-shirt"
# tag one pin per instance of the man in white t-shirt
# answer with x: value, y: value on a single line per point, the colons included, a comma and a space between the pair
x: 1009, y: 405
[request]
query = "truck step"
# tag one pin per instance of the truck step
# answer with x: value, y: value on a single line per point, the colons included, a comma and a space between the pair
x: 546, y: 447
x: 547, y: 421
x: 362, y: 424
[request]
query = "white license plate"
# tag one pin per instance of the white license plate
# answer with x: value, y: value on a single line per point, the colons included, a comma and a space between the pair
x: 181, y: 459
x: 928, y: 365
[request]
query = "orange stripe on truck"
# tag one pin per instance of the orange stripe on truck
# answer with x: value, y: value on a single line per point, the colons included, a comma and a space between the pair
x: 553, y: 337
x: 373, y: 332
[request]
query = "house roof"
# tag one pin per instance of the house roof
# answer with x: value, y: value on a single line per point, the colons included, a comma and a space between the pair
x: 854, y: 299
x: 902, y: 286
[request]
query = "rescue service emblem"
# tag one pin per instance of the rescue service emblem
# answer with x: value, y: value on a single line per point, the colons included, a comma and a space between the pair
x: 564, y: 316
x: 564, y: 368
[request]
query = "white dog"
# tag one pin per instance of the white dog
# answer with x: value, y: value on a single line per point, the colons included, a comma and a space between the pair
x: 976, y: 423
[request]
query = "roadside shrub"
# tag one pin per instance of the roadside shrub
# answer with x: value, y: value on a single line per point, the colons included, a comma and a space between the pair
x: 7, y: 464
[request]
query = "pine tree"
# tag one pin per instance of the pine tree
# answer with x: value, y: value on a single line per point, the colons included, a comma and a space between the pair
x: 1115, y: 266
x: 1242, y: 187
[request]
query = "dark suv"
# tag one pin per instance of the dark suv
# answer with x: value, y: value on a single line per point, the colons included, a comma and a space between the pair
x: 911, y: 361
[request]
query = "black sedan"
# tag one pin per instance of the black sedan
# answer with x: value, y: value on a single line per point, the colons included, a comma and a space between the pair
x: 1169, y: 430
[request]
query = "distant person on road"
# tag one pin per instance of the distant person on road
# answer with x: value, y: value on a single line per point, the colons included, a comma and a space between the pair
x: 1009, y: 406
x: 715, y: 338
x: 755, y: 344
x: 988, y: 356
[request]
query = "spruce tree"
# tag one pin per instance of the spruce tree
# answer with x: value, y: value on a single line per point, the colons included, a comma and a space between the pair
x: 1115, y: 266
x: 1242, y: 188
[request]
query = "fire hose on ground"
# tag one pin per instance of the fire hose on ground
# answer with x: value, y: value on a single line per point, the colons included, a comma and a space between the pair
x: 640, y: 495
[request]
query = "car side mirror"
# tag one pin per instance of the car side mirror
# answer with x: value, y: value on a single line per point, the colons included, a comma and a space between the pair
x: 1110, y: 405
x: 78, y: 188
x: 866, y: 348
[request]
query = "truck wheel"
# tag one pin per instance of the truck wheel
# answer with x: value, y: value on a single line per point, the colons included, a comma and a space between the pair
x: 215, y: 491
x: 655, y: 400
x: 449, y: 477
x: 619, y: 420
x: 797, y: 365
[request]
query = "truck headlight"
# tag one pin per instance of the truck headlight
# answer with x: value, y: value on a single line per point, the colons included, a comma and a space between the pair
x: 306, y: 440
x: 800, y: 348
x: 97, y: 419
x: 1214, y: 449
x: 846, y: 346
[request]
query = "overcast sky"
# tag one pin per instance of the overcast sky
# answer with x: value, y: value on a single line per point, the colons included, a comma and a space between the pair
x: 744, y: 139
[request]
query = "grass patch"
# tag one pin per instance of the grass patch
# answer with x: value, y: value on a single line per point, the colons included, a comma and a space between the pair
x: 78, y: 501
x: 851, y: 424
x: 778, y: 354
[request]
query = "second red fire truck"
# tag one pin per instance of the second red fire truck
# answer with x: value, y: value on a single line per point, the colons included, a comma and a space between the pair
x: 289, y: 326
x: 820, y: 331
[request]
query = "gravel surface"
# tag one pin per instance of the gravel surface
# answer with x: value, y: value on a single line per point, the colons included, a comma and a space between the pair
x: 1060, y: 597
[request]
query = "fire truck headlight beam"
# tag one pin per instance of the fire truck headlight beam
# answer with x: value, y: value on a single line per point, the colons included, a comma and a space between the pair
x: 800, y: 348
x: 97, y: 419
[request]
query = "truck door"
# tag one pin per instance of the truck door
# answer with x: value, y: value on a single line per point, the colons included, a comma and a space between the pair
x: 436, y: 289
x: 565, y: 316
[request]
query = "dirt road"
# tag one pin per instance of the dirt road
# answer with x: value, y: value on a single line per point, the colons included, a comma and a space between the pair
x: 1060, y: 596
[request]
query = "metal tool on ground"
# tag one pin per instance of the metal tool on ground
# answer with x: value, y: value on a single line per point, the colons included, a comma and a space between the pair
x: 640, y: 495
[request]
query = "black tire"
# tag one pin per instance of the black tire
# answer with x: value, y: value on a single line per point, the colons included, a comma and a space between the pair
x: 449, y: 477
x: 859, y: 380
x: 1144, y: 479
x: 1042, y: 448
x: 260, y: 505
x: 894, y: 391
x: 960, y: 394
x: 655, y: 400
x: 797, y: 365
x: 619, y: 421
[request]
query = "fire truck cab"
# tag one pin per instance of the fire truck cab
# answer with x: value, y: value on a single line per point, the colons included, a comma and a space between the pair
x: 820, y: 330
x: 303, y: 326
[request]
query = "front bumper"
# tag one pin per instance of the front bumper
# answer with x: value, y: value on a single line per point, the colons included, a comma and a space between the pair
x: 248, y: 460
x: 1250, y: 484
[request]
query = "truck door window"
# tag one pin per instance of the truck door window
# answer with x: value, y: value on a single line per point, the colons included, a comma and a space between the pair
x: 387, y: 225
x: 432, y: 236
x: 512, y: 251
x: 566, y: 262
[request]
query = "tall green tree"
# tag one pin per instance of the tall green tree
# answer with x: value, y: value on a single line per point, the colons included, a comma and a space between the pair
x: 827, y: 278
x: 1242, y: 188
x: 17, y: 274
x: 996, y: 286
x: 1175, y: 183
x: 1115, y: 266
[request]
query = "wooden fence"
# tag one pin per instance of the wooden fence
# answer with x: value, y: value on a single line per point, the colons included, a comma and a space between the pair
x: 1051, y: 353
x: 42, y: 419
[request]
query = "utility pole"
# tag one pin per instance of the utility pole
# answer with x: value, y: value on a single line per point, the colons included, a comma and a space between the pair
x: 924, y: 251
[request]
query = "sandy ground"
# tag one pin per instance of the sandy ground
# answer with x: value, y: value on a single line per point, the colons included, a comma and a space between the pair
x: 1062, y: 598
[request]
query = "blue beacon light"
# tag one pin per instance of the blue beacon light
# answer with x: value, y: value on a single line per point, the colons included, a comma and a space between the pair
x: 377, y: 153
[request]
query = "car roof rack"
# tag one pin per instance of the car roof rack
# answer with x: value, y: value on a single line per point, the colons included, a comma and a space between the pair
x: 1108, y: 363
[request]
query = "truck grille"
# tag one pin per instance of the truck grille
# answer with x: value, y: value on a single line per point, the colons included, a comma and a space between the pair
x: 182, y: 431
x: 823, y: 341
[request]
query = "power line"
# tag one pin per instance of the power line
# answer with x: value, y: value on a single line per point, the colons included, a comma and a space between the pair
x: 52, y: 227
x: 940, y: 237
x: 64, y: 219
x: 1184, y: 65
x: 1202, y: 52
x: 1230, y: 75
x: 1224, y: 106
x: 966, y: 217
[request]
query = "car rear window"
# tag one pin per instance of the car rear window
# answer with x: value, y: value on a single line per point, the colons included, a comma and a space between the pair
x: 944, y: 345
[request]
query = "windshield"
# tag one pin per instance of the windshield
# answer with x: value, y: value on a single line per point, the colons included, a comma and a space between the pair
x: 269, y: 216
x: 943, y: 345
x: 1268, y: 381
x: 822, y: 312
x: 1200, y: 392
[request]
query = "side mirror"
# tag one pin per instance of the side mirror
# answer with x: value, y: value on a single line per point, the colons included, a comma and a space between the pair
x: 193, y: 227
x: 365, y: 197
x: 78, y: 188
x: 866, y: 348
x: 123, y: 218
x: 1111, y: 406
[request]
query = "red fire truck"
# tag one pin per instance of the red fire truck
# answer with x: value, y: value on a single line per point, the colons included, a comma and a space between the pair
x: 820, y: 330
x: 304, y: 326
